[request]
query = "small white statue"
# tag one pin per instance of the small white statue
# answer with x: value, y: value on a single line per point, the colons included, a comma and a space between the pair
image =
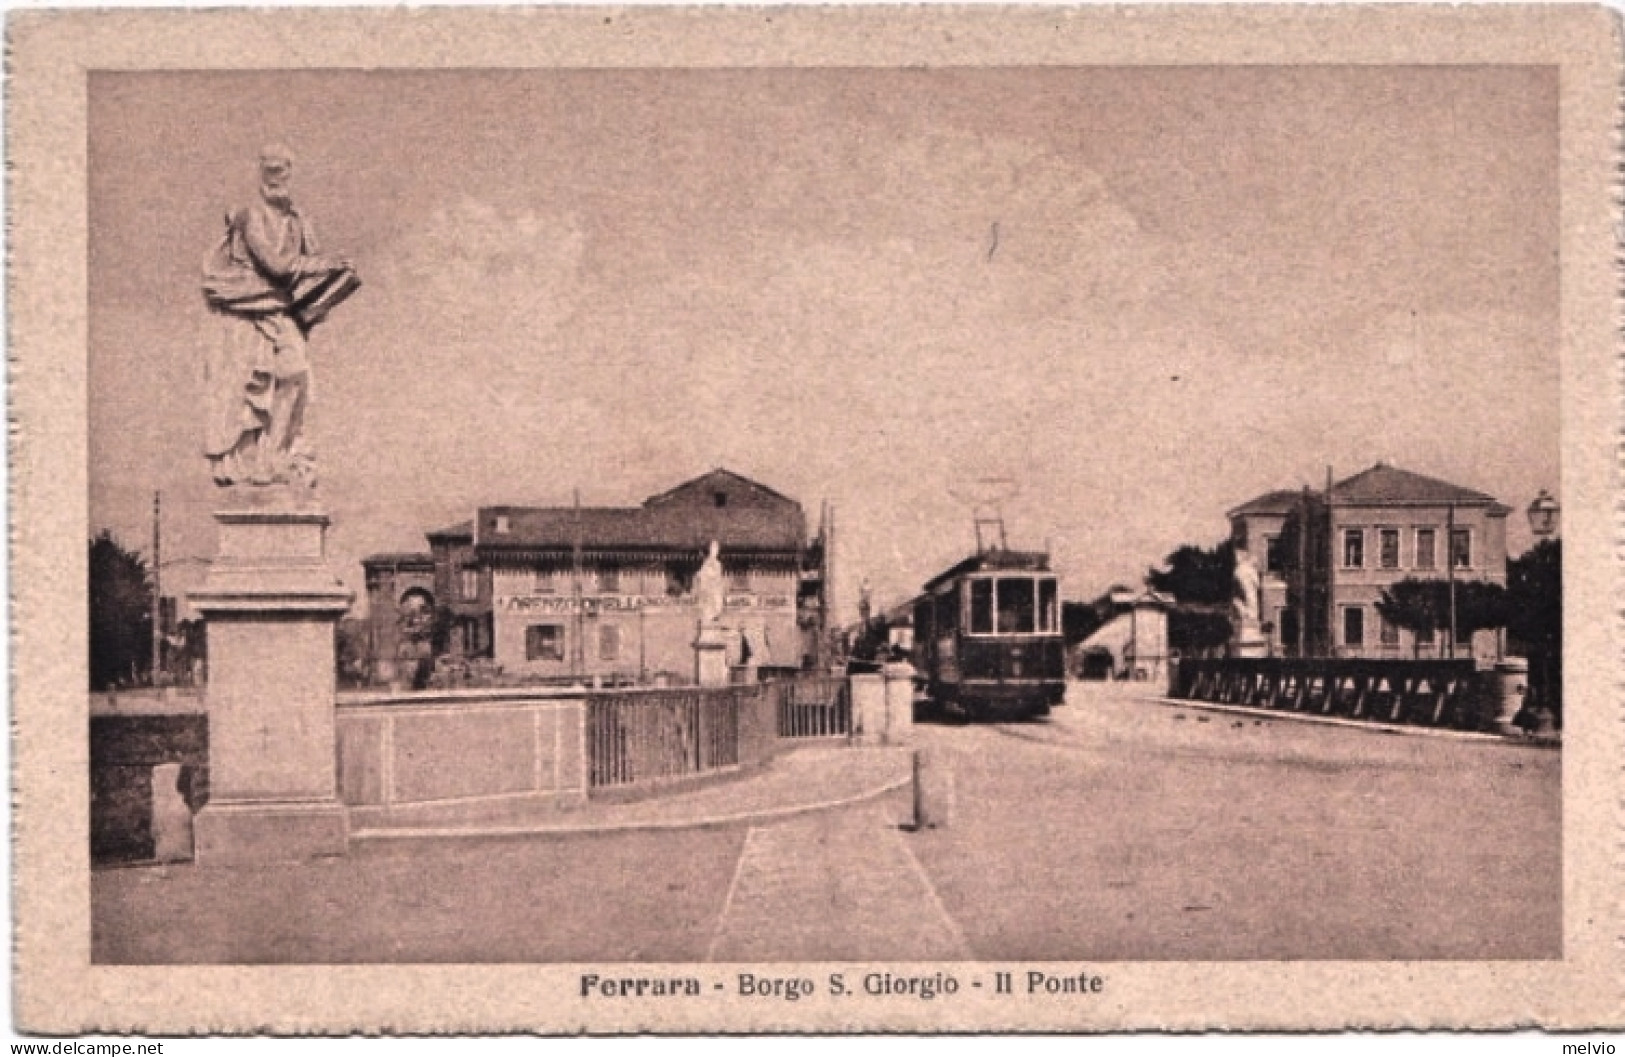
x: 708, y: 587
x: 1244, y: 604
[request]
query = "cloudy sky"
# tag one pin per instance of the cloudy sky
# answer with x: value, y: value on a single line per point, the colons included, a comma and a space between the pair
x: 1146, y: 295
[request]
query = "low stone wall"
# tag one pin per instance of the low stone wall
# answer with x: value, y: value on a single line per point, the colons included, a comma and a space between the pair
x: 461, y: 746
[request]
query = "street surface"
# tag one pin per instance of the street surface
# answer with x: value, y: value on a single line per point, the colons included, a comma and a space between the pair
x: 1120, y: 829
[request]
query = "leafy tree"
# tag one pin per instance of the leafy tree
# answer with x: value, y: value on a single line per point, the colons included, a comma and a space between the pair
x: 1191, y: 629
x: 1423, y: 606
x: 1079, y: 620
x: 1535, y: 617
x: 352, y: 642
x: 120, y: 615
x: 1535, y: 597
x: 1200, y: 580
x: 1197, y: 575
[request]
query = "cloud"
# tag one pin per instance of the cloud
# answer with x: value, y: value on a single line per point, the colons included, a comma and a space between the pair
x: 471, y: 269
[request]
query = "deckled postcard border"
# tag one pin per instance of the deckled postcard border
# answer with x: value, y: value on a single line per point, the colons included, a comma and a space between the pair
x: 57, y: 990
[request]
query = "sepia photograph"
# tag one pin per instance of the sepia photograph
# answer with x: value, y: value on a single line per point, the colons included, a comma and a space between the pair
x: 756, y: 540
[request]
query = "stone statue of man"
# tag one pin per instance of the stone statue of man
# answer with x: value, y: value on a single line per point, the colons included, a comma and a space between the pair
x: 268, y: 286
x: 1245, y: 601
x: 708, y: 586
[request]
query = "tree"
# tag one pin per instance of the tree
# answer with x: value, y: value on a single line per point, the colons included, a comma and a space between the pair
x: 1535, y: 618
x: 1422, y: 607
x: 1535, y: 597
x: 352, y: 649
x: 1194, y: 630
x: 1197, y: 575
x: 120, y: 615
x: 1201, y: 581
x: 1079, y: 620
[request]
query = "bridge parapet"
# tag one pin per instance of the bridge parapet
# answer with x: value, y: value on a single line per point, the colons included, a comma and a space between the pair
x: 1434, y: 693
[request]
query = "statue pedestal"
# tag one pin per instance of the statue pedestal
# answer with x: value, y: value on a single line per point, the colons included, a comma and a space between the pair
x: 271, y: 606
x: 1250, y: 643
x: 711, y: 656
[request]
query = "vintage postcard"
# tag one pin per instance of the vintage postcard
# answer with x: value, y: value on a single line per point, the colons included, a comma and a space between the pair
x: 912, y: 519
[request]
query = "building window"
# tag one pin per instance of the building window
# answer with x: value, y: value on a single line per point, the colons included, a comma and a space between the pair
x: 468, y: 582
x: 544, y: 642
x: 1387, y: 631
x: 542, y: 582
x: 1424, y: 637
x: 1354, y: 626
x: 503, y: 525
x: 1388, y: 548
x: 1461, y: 548
x: 1274, y: 556
x: 609, y: 643
x: 1424, y: 547
x: 720, y: 499
x: 609, y: 581
x: 1353, y: 548
x: 738, y: 578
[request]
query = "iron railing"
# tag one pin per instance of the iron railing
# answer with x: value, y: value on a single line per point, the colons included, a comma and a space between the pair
x: 637, y: 737
x: 1428, y: 693
x: 815, y: 707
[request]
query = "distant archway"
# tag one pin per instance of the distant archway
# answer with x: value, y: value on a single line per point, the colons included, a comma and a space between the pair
x: 416, y: 609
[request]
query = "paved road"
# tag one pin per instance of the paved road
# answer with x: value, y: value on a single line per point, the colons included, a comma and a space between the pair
x: 1129, y: 830
x: 1120, y: 829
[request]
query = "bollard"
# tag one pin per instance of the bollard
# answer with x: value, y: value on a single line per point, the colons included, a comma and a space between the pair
x: 868, y: 708
x: 1505, y: 696
x: 933, y: 790
x: 171, y: 818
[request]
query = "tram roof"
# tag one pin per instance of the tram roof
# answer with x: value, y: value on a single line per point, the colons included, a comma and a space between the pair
x: 994, y: 561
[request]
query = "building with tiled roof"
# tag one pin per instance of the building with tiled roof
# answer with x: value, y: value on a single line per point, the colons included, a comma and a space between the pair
x: 1326, y: 556
x: 607, y: 592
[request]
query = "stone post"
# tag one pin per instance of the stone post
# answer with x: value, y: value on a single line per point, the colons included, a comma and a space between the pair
x: 899, y: 728
x: 711, y: 656
x: 271, y: 607
x: 1507, y: 690
x: 933, y: 790
x: 868, y: 708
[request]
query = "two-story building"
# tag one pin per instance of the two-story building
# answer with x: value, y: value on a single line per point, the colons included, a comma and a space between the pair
x: 1326, y: 557
x: 607, y: 592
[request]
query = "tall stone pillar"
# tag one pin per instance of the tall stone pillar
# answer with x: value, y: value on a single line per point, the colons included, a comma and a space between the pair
x: 271, y: 606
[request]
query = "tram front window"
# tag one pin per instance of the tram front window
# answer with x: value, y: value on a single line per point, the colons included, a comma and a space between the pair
x: 981, y: 607
x: 1017, y: 611
x: 1046, y: 606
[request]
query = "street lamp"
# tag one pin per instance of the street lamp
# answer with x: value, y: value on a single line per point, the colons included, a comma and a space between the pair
x: 1543, y: 515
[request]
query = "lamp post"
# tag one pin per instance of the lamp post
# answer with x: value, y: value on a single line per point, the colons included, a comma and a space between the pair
x: 1543, y: 515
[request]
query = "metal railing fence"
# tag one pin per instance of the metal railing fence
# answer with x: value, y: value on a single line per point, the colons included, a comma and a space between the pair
x: 815, y: 707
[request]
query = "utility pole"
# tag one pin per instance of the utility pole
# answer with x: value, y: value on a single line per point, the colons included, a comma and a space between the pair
x: 578, y: 652
x: 157, y: 586
x: 1304, y: 513
x: 1332, y: 630
x: 1450, y: 573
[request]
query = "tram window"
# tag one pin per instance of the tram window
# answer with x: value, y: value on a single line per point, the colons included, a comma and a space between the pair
x: 1046, y: 605
x: 1016, y: 609
x: 981, y: 607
